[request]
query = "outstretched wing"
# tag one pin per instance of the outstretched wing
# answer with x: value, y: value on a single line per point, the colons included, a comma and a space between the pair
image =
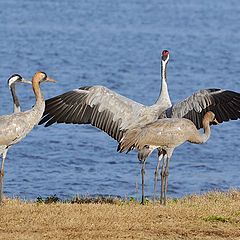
x: 96, y: 105
x: 224, y: 103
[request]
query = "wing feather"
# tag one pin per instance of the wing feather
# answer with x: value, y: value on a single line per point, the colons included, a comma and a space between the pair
x: 224, y: 103
x: 95, y: 105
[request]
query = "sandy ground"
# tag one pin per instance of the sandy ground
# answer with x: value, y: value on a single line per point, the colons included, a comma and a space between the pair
x: 210, y: 216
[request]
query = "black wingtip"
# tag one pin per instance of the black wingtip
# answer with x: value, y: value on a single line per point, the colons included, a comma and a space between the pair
x: 48, y: 124
x: 43, y: 120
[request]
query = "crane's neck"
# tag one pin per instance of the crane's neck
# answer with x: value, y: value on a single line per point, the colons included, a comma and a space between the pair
x: 16, y: 103
x: 38, y: 94
x: 164, y: 99
x: 202, y: 138
x: 207, y: 133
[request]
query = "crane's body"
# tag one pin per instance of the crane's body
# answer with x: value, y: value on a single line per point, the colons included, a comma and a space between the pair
x: 14, y: 127
x: 4, y: 147
x: 166, y: 134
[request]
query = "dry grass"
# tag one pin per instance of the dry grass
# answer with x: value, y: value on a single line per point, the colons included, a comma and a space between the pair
x: 210, y: 216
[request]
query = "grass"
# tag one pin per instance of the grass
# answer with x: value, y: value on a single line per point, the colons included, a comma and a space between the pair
x: 214, y: 218
x: 214, y: 215
x: 81, y: 200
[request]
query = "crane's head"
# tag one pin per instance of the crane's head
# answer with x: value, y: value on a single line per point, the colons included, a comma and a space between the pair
x: 42, y: 77
x: 165, y: 56
x: 210, y: 117
x: 17, y: 78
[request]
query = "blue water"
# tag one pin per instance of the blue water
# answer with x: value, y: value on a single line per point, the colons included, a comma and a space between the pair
x: 118, y: 44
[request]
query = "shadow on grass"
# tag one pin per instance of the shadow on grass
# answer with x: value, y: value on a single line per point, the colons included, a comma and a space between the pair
x: 89, y: 199
x: 81, y: 200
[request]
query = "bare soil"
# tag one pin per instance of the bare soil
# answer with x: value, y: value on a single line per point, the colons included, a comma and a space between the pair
x: 213, y: 215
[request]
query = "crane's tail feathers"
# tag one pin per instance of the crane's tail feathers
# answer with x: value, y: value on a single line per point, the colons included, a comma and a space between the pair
x: 129, y: 141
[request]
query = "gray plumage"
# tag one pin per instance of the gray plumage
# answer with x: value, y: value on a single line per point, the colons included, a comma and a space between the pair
x: 166, y: 134
x: 225, y: 104
x: 15, y: 78
x: 14, y: 127
x: 104, y: 108
x: 100, y: 107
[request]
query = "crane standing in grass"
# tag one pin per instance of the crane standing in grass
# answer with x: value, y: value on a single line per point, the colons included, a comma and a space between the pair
x: 15, y: 78
x: 165, y: 134
x: 106, y: 109
x: 116, y: 114
x: 14, y: 127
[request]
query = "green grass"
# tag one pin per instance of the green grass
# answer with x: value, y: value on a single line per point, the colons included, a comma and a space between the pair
x: 214, y: 218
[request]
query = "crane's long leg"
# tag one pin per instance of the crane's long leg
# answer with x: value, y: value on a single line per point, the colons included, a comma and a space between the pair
x: 163, y: 178
x: 143, y: 172
x: 4, y: 154
x: 166, y: 181
x: 160, y: 156
x: 169, y: 155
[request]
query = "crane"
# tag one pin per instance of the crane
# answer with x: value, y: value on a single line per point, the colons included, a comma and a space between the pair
x: 166, y: 134
x: 12, y: 80
x: 15, y: 127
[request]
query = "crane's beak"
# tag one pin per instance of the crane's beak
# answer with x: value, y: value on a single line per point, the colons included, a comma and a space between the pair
x: 23, y: 80
x: 48, y: 79
x: 216, y: 121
